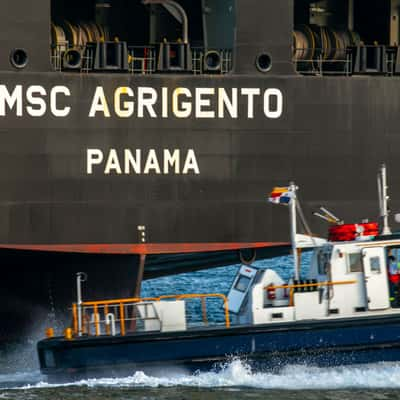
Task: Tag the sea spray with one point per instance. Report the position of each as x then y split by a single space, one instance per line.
237 374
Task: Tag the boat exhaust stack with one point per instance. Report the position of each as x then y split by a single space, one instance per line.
383 200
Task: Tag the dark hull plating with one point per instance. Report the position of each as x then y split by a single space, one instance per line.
332 135
330 139
38 286
322 343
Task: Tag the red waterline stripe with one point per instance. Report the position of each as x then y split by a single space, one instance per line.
148 248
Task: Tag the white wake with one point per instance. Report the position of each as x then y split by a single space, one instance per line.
238 374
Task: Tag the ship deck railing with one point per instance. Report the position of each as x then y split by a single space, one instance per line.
306 286
63 54
320 63
141 60
133 315
56 54
199 62
354 60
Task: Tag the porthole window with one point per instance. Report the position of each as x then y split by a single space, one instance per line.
19 58
263 62
212 61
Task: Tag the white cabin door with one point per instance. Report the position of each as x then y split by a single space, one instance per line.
241 285
376 278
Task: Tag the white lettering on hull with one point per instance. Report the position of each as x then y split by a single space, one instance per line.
145 102
34 101
139 162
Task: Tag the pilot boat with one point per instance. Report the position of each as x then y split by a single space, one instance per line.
345 311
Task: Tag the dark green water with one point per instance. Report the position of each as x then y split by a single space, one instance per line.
196 394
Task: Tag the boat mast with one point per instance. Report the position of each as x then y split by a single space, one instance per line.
293 228
383 200
80 278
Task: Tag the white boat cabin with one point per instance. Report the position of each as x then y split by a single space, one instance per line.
345 279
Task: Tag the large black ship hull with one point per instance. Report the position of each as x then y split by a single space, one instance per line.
38 286
330 138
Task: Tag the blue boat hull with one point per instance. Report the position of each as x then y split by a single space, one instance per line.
265 347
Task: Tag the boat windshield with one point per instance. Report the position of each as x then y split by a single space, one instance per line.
355 262
324 259
242 283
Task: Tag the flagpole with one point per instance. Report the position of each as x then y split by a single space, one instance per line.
293 229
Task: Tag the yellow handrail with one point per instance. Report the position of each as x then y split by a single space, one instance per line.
96 320
307 285
202 296
122 318
117 301
122 302
304 285
75 317
107 325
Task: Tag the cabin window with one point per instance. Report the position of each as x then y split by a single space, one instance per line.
375 265
242 283
346 37
323 263
144 36
355 262
393 259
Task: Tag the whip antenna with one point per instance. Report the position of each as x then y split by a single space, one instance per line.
383 200
328 216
